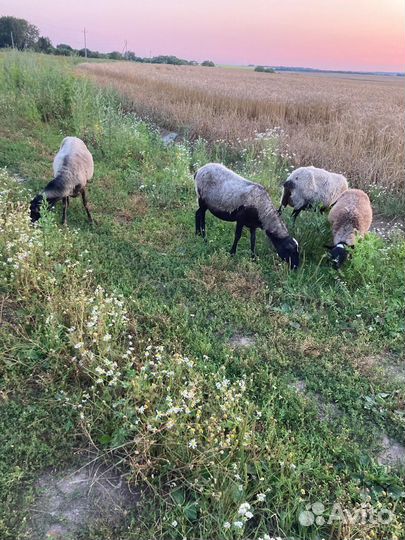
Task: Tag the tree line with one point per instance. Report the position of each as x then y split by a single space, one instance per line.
20 34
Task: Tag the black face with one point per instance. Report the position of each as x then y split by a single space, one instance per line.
35 207
288 251
338 255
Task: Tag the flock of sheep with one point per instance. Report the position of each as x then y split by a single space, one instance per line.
231 197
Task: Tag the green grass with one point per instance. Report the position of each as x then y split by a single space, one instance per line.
119 335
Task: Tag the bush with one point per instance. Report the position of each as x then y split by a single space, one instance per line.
262 69
208 63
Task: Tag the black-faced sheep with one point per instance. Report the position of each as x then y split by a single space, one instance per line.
308 186
350 216
232 198
73 168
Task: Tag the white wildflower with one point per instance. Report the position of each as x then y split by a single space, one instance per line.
243 508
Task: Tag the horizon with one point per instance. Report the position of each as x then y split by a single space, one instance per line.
337 36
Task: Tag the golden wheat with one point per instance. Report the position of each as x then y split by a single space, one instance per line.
349 124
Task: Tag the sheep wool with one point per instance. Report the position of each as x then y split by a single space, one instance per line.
310 186
231 197
73 167
352 214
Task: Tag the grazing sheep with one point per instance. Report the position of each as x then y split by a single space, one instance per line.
73 168
232 198
309 186
350 216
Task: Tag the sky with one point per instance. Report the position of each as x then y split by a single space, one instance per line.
365 35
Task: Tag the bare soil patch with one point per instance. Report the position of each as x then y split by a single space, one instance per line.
389 366
76 500
239 341
326 411
392 452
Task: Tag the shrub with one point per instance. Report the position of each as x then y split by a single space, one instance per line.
262 69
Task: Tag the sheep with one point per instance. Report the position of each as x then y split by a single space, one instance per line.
73 168
230 197
309 186
350 216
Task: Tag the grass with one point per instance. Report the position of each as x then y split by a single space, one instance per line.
351 125
119 337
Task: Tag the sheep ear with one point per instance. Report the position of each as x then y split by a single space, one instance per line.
328 247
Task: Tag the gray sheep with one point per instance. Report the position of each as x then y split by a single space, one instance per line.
308 186
230 197
73 168
350 216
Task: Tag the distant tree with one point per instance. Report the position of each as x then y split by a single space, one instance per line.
115 55
208 63
64 50
44 45
64 46
24 34
132 57
169 59
262 69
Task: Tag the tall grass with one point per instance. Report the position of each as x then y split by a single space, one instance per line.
350 125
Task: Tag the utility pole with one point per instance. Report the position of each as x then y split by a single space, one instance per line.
12 39
85 43
125 49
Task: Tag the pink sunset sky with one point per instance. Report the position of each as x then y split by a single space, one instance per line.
332 34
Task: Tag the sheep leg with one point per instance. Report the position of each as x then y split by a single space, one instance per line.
84 199
203 234
200 219
65 202
253 241
238 234
296 213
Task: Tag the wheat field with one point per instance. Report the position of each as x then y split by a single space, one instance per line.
349 124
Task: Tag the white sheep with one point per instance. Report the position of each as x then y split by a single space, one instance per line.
73 167
232 198
351 216
309 186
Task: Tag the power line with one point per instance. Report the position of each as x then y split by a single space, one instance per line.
85 43
125 48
